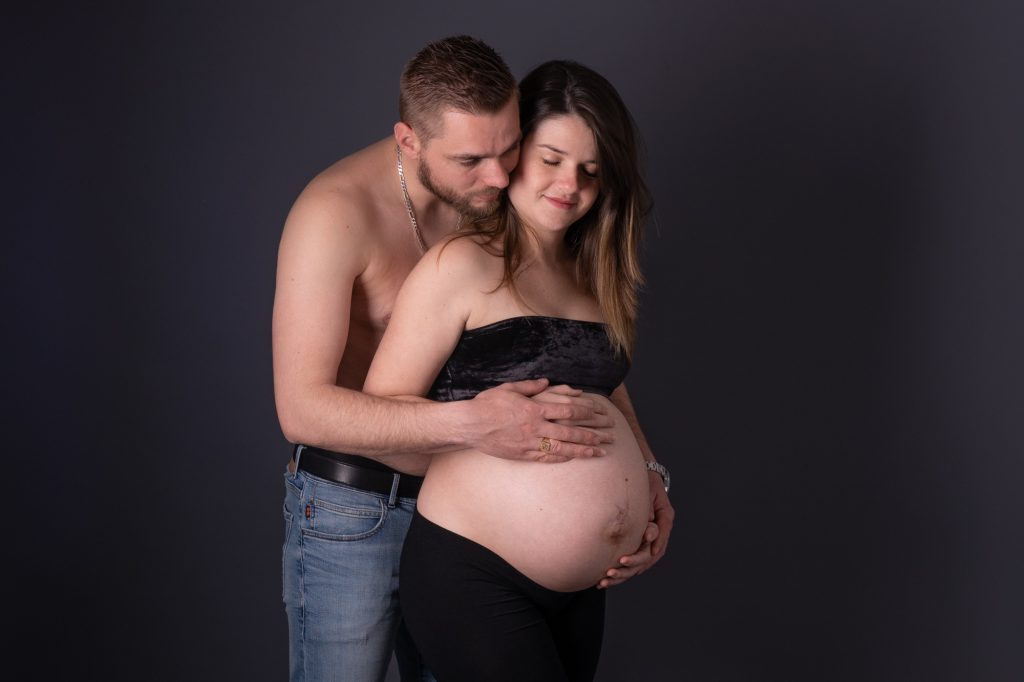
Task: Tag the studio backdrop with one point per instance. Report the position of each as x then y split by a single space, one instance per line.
829 353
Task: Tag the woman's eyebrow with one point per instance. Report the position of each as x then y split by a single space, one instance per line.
553 148
559 151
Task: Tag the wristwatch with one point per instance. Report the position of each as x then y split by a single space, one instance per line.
662 471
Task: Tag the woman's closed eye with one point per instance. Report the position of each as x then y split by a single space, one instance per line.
554 162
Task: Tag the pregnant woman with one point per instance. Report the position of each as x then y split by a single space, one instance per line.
499 567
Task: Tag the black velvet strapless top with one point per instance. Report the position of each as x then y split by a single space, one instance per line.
573 352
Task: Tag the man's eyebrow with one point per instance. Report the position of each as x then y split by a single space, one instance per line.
513 145
559 151
477 157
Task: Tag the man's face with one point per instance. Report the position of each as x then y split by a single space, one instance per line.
468 162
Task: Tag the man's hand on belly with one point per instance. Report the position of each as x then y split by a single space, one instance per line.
527 420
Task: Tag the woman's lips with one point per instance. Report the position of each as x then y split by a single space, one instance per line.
558 203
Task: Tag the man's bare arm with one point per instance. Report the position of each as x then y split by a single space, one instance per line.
322 253
428 319
655 539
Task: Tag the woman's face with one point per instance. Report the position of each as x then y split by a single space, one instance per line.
555 183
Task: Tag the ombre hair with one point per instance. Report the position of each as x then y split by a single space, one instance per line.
604 242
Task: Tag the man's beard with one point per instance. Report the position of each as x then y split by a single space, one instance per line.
462 204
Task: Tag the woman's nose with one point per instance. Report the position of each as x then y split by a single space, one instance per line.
569 181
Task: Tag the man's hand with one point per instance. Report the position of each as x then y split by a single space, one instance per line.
513 420
654 542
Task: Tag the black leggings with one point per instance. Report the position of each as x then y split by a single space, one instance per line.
474 617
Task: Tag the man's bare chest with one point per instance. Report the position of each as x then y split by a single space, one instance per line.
374 294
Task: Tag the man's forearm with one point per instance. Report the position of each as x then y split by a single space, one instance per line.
507 421
345 420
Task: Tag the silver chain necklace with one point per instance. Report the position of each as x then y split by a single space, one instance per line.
408 203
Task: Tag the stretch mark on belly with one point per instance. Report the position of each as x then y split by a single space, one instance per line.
618 527
617 530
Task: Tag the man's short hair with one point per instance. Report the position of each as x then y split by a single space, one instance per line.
460 73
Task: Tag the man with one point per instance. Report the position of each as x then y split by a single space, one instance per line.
350 240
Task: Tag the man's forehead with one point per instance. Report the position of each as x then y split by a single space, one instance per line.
463 132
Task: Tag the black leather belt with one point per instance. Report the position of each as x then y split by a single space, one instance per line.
358 472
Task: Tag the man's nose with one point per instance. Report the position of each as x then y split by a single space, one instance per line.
495 174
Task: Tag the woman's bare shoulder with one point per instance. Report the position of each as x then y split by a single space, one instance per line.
465 255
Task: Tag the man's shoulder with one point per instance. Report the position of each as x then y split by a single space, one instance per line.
357 183
345 198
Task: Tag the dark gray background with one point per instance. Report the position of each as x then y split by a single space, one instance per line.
829 357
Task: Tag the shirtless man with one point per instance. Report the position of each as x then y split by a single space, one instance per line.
350 240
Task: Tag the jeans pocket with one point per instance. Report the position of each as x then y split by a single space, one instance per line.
340 522
293 482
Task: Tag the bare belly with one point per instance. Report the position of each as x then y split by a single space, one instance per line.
562 525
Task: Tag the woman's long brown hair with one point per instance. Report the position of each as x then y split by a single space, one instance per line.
605 242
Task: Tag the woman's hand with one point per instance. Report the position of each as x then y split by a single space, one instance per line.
654 542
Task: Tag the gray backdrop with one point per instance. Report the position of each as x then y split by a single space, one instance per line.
829 356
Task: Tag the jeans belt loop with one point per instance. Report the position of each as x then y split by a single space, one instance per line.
298 455
393 499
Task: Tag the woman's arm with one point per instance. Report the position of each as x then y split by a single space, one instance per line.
662 513
428 318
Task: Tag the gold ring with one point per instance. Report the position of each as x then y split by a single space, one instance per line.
545 444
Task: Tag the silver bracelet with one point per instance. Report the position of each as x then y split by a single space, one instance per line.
661 470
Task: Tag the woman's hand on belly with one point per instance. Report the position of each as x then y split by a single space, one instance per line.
632 565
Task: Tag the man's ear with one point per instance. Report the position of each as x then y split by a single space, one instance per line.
408 140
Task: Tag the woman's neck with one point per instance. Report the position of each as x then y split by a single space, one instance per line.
545 248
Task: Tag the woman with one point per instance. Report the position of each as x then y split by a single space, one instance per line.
499 565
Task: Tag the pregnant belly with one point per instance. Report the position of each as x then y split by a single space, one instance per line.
562 525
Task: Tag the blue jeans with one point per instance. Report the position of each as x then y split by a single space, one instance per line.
340 565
